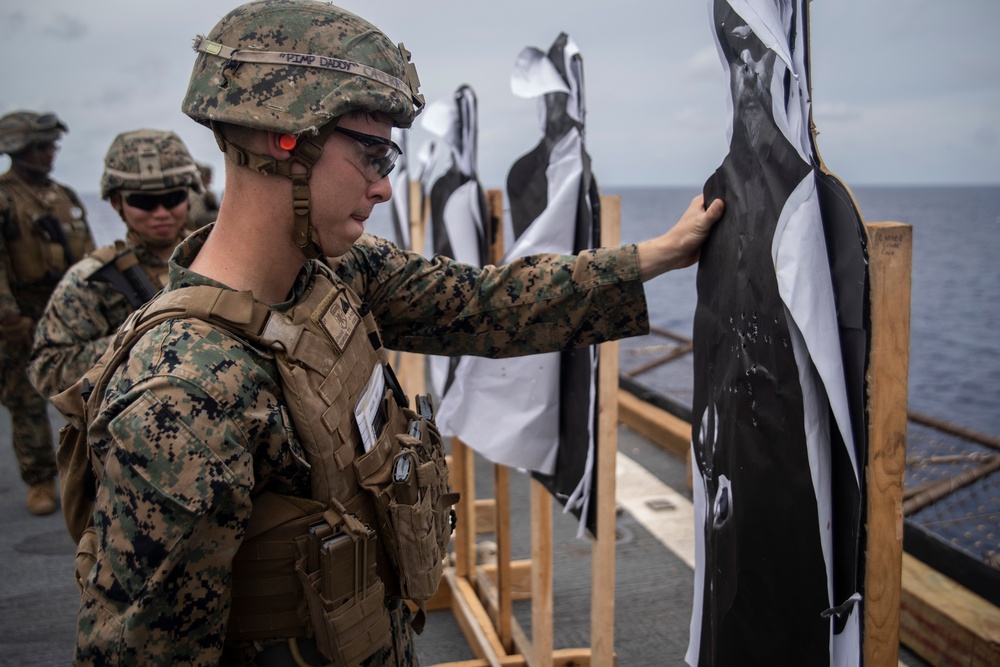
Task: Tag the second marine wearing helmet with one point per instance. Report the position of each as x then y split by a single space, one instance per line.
43 230
148 178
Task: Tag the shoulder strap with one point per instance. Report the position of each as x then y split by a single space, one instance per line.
120 268
107 253
78 470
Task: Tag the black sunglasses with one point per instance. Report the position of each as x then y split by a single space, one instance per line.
377 166
148 202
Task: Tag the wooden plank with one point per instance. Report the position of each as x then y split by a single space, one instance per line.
494 232
541 575
418 217
945 623
464 475
522 643
501 474
486 589
474 620
411 368
568 657
602 576
890 258
520 577
670 433
486 515
505 606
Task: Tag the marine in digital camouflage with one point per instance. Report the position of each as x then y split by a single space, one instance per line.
43 229
83 312
194 426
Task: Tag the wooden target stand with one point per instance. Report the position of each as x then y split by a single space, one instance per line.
481 597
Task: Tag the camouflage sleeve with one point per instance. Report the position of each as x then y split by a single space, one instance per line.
8 305
541 303
74 330
186 421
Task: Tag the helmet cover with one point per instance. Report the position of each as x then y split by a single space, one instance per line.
148 160
292 66
21 129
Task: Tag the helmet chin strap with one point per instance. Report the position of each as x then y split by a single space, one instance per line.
306 152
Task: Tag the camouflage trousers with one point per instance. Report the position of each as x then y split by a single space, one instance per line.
31 433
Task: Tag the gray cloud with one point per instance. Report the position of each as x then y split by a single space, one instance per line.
12 22
898 96
63 26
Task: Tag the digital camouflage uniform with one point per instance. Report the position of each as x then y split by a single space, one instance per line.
194 427
84 311
81 319
32 259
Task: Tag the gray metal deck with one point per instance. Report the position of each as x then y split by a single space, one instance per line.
38 598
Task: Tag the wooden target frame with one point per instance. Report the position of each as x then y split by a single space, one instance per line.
481 597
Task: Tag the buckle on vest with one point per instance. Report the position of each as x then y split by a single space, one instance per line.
280 334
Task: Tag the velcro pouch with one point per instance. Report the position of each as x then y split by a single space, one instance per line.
417 509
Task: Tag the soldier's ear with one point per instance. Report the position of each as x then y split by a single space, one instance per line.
116 201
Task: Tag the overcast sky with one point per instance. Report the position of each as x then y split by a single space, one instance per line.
904 92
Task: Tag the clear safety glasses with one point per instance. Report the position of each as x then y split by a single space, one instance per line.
379 155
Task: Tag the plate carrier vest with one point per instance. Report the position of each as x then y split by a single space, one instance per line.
36 257
326 566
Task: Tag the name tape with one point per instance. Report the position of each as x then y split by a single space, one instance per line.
205 45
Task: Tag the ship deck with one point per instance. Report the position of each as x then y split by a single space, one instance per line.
653 573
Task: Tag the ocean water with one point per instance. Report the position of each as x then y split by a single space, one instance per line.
954 369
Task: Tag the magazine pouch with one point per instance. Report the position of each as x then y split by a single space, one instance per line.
343 590
408 476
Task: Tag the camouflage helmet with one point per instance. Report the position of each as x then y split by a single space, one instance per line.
21 129
148 160
292 66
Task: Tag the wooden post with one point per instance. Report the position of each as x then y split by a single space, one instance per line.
501 474
498 639
418 217
890 263
602 587
412 367
464 468
505 597
541 575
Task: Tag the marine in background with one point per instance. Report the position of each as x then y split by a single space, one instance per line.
148 178
43 231
204 206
